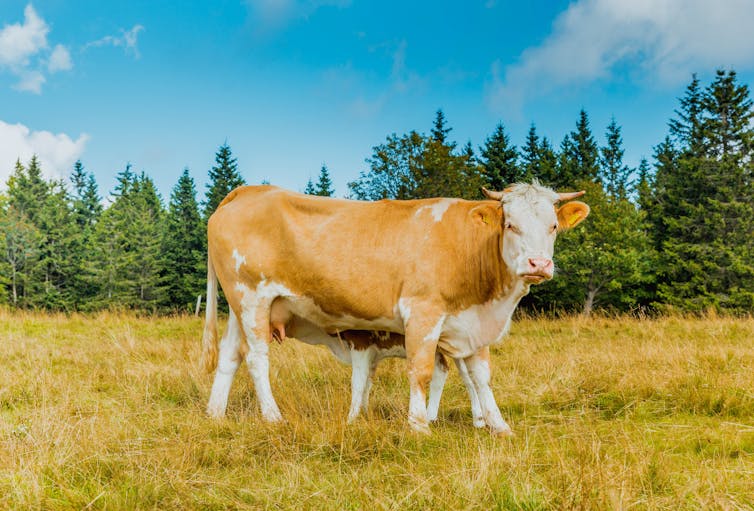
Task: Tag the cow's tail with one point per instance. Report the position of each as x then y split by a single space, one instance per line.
209 339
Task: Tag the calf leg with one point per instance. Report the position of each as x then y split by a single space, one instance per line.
439 375
361 367
476 408
227 365
479 368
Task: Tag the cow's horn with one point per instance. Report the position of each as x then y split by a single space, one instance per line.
570 195
491 194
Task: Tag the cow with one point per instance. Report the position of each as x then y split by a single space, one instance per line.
447 274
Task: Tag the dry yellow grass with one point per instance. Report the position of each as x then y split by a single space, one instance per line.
106 412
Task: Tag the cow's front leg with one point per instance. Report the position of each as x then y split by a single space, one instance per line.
476 409
439 375
479 369
422 334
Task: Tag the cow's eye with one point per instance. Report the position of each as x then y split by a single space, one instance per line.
554 227
510 227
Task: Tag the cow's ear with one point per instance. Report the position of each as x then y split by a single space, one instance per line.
487 215
571 214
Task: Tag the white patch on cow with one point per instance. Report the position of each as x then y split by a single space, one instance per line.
530 211
417 411
404 309
436 330
437 209
239 259
471 329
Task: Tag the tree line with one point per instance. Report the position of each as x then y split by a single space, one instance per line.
675 233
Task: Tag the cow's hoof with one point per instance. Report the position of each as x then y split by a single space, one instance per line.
479 422
502 432
419 427
215 412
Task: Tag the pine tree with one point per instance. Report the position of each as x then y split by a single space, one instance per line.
324 184
223 178
614 174
579 155
310 190
440 130
548 164
530 155
499 160
686 128
87 204
706 205
183 247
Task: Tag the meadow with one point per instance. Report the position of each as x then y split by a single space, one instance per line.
107 412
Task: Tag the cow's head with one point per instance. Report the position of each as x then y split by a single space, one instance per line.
530 222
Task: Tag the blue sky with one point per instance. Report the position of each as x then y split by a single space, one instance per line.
294 84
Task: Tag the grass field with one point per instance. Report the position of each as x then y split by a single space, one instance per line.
106 412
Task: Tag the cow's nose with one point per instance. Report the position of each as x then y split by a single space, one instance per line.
540 265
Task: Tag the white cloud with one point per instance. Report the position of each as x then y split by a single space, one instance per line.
60 60
18 42
128 40
30 81
271 15
56 152
23 48
662 40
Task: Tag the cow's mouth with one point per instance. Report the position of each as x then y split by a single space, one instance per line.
535 278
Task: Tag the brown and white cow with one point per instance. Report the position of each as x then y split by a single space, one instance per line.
445 273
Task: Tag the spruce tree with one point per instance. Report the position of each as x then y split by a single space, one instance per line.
614 173
324 186
530 155
440 130
579 155
183 247
310 190
223 178
706 206
499 160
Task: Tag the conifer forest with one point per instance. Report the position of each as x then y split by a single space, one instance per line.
674 234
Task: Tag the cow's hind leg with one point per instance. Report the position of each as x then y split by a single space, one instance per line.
368 387
256 326
361 369
227 365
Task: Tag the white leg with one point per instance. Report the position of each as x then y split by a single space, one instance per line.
368 387
256 325
439 375
479 368
361 363
227 365
476 408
